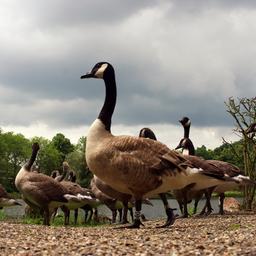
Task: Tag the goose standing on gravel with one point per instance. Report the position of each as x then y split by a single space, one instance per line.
42 191
5 199
138 166
228 169
185 195
74 188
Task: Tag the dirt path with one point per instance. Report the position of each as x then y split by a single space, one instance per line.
215 235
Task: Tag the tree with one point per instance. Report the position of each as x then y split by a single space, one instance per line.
243 110
15 151
62 144
77 161
204 152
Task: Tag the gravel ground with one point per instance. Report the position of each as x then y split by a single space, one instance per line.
214 235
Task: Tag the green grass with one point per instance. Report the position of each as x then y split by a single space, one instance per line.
231 194
234 226
58 221
2 215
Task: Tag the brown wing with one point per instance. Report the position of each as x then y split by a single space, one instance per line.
44 188
227 168
143 160
72 187
208 167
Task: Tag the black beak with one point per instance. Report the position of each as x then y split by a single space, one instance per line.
178 147
88 75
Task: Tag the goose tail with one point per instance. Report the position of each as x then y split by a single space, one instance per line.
84 199
244 180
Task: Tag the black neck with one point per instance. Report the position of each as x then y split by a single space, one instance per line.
32 159
186 131
110 101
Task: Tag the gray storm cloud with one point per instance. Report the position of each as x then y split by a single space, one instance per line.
172 58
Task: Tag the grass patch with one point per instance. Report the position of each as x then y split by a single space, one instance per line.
231 194
2 215
59 221
234 226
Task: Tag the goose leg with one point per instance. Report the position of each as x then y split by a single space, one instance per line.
221 198
180 205
195 205
131 213
120 211
114 213
208 196
85 215
124 218
75 216
137 222
90 215
169 212
46 217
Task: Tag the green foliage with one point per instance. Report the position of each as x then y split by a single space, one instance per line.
14 153
62 144
2 215
204 152
77 161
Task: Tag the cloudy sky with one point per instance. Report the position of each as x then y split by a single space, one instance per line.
172 59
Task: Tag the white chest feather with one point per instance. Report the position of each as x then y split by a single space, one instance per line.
96 142
19 177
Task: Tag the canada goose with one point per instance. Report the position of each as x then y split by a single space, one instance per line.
39 190
228 169
138 166
182 196
89 208
5 199
74 188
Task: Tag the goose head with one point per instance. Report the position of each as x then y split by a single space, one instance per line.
185 121
147 133
101 70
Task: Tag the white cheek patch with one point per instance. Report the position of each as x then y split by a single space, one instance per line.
188 123
99 73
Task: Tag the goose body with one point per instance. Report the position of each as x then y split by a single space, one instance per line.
151 166
137 166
